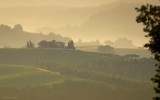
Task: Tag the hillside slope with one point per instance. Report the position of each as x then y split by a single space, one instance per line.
68 75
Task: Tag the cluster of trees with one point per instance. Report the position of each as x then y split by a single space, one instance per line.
51 44
106 49
30 44
71 45
6 28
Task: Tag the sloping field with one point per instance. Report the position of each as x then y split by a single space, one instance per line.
18 75
47 74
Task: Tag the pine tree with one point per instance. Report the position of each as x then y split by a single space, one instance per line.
31 45
28 44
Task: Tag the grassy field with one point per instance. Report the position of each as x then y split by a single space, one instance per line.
47 74
120 51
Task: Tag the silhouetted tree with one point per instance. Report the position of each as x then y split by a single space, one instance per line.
71 44
18 28
51 44
106 49
42 44
5 28
149 15
28 45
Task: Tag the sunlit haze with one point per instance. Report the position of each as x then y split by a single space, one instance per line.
79 49
88 20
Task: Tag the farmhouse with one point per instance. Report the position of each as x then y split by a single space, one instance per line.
51 44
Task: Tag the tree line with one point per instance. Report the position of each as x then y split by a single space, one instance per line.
51 44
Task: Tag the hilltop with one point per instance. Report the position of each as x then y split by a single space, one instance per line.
16 37
104 22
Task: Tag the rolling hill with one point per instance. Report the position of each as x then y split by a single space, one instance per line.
31 74
104 22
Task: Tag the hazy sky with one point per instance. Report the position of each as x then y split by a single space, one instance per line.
54 2
35 14
5 3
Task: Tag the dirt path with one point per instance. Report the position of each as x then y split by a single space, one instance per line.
48 71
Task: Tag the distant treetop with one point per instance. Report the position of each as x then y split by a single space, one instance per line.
18 27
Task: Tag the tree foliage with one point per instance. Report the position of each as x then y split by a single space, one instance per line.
51 44
71 44
18 28
106 49
149 15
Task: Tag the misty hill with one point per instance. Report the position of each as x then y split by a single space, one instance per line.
42 16
121 46
118 51
121 43
108 21
17 37
105 22
114 23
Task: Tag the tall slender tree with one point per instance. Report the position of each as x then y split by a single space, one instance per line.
28 44
149 15
31 44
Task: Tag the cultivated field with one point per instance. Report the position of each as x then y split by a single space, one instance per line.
58 74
